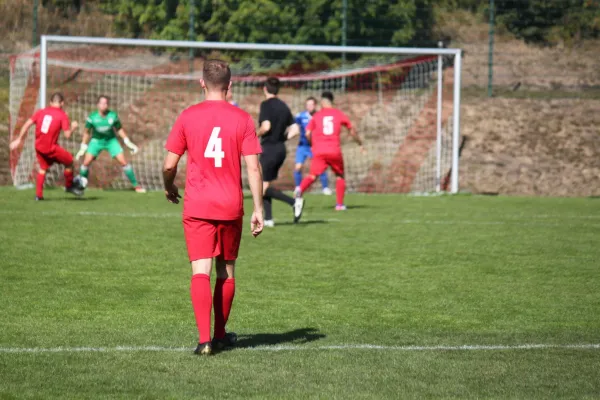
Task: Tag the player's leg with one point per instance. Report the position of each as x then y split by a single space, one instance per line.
230 235
325 184
95 147
268 207
337 165
301 156
202 245
318 165
116 152
271 161
44 163
223 300
65 158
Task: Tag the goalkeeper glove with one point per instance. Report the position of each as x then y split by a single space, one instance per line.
134 149
82 149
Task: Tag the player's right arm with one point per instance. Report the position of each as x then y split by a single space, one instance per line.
24 129
352 131
310 127
68 127
263 120
85 138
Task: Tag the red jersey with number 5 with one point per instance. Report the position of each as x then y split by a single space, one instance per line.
49 122
325 127
215 135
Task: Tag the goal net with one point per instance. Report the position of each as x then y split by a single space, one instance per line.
404 103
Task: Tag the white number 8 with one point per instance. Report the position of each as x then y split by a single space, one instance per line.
214 148
328 125
46 124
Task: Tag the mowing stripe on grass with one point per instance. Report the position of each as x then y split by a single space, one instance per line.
116 349
404 221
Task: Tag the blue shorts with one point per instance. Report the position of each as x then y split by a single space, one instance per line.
302 153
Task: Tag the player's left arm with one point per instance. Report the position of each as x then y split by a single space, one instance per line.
123 135
293 131
176 146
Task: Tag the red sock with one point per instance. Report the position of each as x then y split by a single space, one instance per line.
68 177
223 299
202 303
39 187
306 182
340 190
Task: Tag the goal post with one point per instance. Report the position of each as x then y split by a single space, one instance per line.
406 102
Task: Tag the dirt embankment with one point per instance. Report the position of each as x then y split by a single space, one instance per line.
531 147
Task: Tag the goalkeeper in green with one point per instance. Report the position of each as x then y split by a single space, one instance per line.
103 125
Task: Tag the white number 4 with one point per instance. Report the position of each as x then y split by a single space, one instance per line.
46 124
214 148
328 125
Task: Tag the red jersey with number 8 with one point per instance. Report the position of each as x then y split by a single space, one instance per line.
215 135
49 122
325 127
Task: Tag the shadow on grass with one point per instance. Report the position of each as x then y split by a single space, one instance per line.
297 336
86 198
352 207
302 222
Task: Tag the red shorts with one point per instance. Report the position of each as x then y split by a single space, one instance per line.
320 163
56 155
207 238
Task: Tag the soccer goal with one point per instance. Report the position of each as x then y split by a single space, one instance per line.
405 102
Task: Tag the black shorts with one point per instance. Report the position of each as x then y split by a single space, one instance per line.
271 160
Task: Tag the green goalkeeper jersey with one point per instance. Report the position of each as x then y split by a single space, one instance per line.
103 126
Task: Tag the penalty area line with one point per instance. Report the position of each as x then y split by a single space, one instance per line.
118 349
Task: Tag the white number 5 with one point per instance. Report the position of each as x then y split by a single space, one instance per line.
328 125
46 124
214 148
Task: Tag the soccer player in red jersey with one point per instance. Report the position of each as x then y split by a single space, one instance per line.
216 135
324 133
48 123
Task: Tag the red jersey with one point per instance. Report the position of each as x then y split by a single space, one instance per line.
49 122
325 127
215 135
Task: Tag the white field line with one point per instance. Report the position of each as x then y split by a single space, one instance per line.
117 349
520 222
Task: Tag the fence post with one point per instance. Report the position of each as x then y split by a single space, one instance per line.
491 51
35 24
344 33
191 34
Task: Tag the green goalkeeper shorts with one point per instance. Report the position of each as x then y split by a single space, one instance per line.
112 145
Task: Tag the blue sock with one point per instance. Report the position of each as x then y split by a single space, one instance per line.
324 180
297 177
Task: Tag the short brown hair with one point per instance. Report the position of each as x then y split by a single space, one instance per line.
103 96
57 97
272 84
216 74
327 95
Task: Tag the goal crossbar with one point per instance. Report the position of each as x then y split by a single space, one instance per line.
440 52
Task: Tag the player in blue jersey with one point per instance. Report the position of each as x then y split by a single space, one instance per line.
303 151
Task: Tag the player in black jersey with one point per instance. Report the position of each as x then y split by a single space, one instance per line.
277 125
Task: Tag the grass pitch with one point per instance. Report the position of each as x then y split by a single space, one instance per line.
95 300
